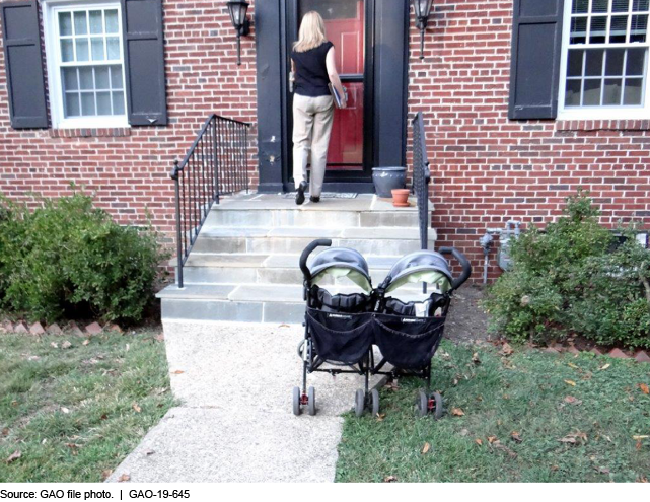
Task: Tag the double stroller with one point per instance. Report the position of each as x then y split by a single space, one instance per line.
341 329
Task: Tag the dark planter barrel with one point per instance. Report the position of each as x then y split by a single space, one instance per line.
386 179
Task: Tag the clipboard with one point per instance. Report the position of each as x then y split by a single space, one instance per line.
337 96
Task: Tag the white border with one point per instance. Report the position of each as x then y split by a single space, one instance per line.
600 112
50 8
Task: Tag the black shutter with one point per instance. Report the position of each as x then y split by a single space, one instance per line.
144 62
536 54
21 36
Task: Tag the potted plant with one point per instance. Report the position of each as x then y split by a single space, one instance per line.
389 178
400 197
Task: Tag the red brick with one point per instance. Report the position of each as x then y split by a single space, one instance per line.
642 356
618 354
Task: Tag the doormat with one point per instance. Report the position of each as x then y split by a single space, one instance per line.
326 195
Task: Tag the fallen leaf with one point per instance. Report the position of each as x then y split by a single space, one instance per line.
457 412
574 438
497 444
555 468
426 448
639 444
476 359
506 397
159 338
492 439
602 470
65 410
85 342
137 408
392 385
103 417
54 345
14 456
380 417
5 431
604 367
514 435
106 474
390 479
479 441
572 400
284 326
66 345
570 382
640 437
178 372
124 478
642 480
574 366
506 350
644 387
149 452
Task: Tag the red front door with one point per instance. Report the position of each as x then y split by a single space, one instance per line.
345 26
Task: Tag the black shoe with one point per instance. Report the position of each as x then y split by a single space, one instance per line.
314 199
300 194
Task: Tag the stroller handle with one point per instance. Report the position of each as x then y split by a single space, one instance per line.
467 268
307 251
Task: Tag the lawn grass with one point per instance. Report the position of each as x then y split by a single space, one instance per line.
73 413
524 393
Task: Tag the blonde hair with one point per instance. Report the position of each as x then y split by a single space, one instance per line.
311 33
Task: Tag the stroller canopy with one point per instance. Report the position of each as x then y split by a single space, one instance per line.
341 262
422 266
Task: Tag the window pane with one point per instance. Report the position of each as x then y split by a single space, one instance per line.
72 105
102 77
620 5
87 104
592 92
573 92
113 48
594 63
575 63
80 23
618 30
599 6
70 79
635 62
95 18
86 78
633 91
580 6
639 28
640 5
613 91
579 30
112 24
597 30
614 60
97 46
118 103
116 77
65 24
82 49
103 103
67 53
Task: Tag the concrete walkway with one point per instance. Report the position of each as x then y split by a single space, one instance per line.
235 423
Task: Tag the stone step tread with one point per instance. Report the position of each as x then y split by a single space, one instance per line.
392 233
279 261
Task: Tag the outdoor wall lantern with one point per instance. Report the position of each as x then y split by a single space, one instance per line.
237 10
422 11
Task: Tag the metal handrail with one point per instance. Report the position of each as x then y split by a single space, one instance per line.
216 164
421 178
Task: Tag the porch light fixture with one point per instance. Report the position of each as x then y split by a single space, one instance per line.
422 11
237 10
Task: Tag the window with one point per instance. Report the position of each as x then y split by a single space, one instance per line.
85 64
605 60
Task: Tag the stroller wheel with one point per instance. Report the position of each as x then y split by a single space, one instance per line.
359 402
300 345
296 401
311 401
374 399
422 404
437 403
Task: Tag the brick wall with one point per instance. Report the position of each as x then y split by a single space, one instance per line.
128 169
487 169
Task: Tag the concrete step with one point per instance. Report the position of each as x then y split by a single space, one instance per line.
273 211
272 303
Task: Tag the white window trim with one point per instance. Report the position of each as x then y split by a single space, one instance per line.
599 112
52 52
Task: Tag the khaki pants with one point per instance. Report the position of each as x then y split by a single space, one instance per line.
312 127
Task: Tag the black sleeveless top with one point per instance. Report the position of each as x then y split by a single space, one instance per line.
311 77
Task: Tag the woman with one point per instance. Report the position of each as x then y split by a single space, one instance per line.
313 63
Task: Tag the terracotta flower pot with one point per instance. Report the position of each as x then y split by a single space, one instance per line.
400 197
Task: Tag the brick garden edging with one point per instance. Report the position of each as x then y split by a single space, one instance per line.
37 329
641 356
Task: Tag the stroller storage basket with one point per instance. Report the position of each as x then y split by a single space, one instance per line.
341 337
408 342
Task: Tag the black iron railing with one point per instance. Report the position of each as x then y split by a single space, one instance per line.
215 165
421 178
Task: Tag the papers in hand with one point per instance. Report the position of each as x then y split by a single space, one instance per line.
337 97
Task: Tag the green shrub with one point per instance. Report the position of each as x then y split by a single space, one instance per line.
70 259
567 280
